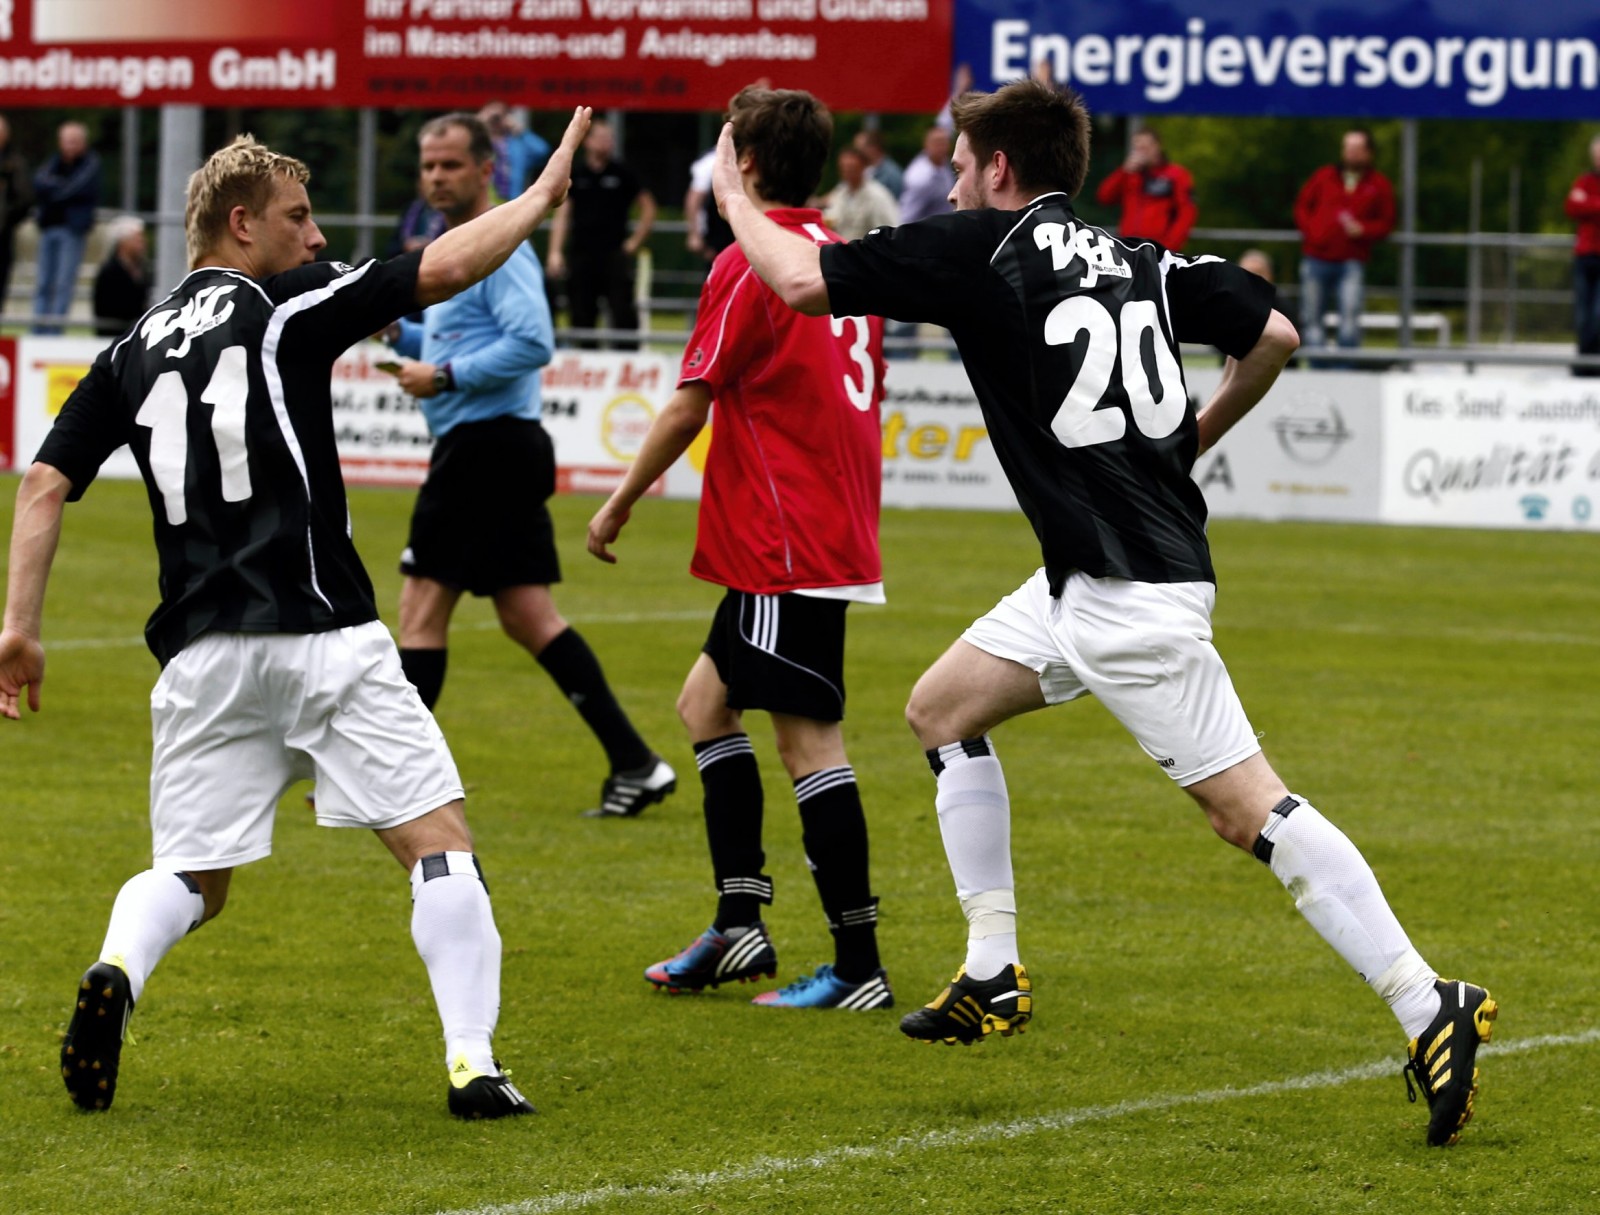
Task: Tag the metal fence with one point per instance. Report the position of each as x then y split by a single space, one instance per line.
1512 304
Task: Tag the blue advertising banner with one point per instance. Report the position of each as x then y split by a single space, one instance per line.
1344 58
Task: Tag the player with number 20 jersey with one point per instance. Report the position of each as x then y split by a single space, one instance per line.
1070 337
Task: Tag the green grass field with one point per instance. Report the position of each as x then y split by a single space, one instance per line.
1196 1047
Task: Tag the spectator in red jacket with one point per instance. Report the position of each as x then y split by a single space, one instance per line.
1583 205
1342 211
1156 196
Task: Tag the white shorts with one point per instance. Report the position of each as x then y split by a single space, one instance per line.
1143 648
239 717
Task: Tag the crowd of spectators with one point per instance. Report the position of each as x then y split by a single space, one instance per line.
1343 211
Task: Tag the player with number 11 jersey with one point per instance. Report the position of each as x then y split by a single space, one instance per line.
251 524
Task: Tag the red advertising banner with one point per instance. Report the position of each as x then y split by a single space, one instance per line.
888 55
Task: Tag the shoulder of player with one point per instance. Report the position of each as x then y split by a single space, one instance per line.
729 271
323 281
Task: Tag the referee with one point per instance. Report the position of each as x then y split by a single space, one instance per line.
1070 337
481 524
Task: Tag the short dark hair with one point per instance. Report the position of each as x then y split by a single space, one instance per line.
480 145
1150 131
1044 132
789 132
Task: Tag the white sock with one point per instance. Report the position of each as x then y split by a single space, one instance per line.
1334 888
452 924
153 912
975 823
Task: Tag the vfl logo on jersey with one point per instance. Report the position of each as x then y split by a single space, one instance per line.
208 308
1068 242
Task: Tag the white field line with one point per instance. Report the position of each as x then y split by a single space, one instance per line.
680 1184
1488 636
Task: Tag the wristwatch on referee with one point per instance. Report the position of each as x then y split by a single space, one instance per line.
444 379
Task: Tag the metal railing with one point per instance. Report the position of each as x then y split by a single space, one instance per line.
674 292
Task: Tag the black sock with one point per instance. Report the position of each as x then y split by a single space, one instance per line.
733 806
572 664
425 670
834 830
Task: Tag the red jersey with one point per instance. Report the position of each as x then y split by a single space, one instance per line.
1583 205
792 482
1324 198
1157 203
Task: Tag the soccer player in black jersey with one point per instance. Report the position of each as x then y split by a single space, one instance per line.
275 666
1070 337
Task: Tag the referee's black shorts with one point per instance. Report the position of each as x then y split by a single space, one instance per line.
480 523
781 653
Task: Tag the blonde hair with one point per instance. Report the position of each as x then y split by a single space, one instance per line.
244 174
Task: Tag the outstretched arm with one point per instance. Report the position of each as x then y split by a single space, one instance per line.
467 254
669 437
787 262
1245 381
35 531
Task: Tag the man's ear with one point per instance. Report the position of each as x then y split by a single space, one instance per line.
999 171
240 223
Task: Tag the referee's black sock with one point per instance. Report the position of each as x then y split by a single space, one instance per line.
572 664
834 830
425 670
733 806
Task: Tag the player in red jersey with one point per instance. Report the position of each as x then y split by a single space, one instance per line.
789 525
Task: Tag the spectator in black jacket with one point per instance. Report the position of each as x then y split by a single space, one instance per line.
16 200
122 285
67 189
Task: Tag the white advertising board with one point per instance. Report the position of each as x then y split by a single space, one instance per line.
1447 450
1468 451
1310 449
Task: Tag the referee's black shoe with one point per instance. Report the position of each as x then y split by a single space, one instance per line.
482 1096
1443 1058
92 1049
626 794
970 1009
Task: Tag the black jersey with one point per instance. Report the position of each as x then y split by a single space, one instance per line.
1070 337
222 391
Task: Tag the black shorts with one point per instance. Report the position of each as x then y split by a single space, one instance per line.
781 653
480 522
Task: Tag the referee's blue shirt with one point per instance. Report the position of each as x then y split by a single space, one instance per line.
495 335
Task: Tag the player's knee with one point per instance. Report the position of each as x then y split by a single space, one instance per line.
797 758
703 716
532 623
212 887
1232 830
1230 821
924 719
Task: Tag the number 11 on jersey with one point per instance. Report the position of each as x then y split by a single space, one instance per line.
165 412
